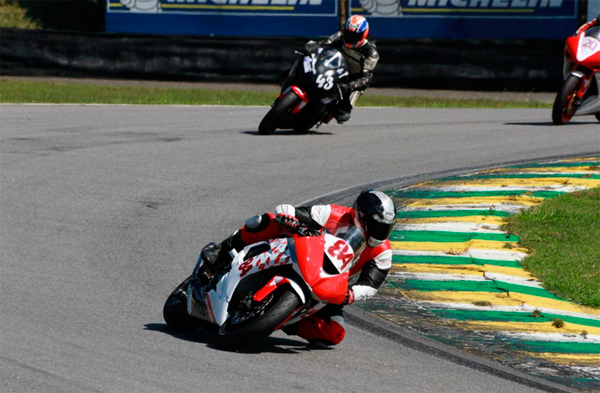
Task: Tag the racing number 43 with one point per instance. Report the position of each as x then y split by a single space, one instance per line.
325 82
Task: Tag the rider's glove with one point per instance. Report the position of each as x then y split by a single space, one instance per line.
287 222
349 299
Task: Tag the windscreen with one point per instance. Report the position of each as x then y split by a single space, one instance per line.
331 59
593 32
353 236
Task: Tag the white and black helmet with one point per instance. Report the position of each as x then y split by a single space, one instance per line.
376 214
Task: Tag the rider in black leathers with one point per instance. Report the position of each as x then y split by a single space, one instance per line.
361 56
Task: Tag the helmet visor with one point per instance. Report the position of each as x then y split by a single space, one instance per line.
378 230
352 37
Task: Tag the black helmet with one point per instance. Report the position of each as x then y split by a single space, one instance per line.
376 214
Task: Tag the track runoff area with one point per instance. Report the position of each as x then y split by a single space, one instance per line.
456 276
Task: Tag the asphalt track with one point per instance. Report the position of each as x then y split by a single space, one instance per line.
104 208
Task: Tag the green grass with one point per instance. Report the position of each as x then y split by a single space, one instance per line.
19 91
563 237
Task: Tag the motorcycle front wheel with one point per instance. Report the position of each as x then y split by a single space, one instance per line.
565 104
280 109
175 311
248 325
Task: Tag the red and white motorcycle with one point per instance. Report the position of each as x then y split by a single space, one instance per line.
580 92
269 285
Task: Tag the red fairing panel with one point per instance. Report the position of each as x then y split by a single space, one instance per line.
310 251
584 50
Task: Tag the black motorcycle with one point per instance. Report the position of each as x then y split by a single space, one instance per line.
309 92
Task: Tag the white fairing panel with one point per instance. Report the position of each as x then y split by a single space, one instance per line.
588 46
279 254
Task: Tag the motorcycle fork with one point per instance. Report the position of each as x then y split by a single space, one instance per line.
586 81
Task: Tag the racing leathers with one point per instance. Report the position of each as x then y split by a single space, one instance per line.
370 270
592 23
361 63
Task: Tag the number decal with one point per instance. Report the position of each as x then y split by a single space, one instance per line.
325 83
341 251
245 267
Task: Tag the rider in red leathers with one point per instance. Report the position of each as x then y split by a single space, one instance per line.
589 24
373 212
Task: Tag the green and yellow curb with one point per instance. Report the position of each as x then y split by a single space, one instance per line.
455 270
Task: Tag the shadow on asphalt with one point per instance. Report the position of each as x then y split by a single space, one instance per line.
266 345
289 133
549 123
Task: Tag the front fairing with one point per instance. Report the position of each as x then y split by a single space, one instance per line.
583 49
322 71
277 253
325 262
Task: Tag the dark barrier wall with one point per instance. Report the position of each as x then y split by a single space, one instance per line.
463 65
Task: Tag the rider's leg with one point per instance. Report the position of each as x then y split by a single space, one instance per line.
342 110
257 228
325 327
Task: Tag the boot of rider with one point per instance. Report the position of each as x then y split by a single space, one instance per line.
257 228
217 256
341 112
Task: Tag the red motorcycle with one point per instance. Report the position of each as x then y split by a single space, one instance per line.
580 92
269 285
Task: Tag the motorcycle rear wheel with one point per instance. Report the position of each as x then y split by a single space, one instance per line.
280 109
565 103
275 310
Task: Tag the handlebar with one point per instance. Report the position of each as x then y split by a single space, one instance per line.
300 229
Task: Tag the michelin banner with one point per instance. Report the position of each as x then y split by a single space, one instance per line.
437 19
300 18
469 19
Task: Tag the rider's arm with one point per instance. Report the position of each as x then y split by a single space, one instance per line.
312 45
372 275
332 38
313 217
586 26
369 51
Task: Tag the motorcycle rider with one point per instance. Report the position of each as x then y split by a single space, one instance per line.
589 24
373 212
361 56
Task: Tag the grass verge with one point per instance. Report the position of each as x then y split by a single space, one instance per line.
12 91
563 236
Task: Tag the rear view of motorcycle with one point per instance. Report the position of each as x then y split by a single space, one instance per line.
310 91
580 92
268 286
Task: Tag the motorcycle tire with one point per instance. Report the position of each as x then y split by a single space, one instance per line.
598 116
564 105
175 310
233 336
275 116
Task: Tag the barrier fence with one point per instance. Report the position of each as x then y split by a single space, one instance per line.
516 65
